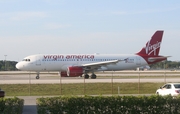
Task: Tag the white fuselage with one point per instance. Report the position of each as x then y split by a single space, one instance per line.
60 62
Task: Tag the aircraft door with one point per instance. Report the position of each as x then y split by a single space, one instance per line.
38 61
138 61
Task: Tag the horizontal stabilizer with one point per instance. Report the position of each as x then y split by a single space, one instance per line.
151 59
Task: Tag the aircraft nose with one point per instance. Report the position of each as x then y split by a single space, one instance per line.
19 66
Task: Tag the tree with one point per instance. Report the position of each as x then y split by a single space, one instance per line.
166 65
10 65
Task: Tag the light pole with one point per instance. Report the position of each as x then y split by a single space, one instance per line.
5 62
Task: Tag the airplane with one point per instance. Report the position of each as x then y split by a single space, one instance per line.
74 65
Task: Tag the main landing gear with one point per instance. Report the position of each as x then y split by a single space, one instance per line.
86 76
93 76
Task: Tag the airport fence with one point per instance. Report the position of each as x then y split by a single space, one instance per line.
107 83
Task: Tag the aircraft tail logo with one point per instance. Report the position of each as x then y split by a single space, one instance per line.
152 47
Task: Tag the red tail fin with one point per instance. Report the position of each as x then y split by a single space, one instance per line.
153 46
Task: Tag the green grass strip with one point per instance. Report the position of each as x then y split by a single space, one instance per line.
79 89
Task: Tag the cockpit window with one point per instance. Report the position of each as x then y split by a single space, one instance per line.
26 60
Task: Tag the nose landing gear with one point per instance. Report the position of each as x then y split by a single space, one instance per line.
37 77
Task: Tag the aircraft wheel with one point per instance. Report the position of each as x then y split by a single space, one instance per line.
86 76
37 77
93 76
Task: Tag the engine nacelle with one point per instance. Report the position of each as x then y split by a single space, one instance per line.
74 71
63 74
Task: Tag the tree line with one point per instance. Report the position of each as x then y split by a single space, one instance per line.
11 65
166 65
8 65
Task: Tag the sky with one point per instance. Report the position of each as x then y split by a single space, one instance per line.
30 27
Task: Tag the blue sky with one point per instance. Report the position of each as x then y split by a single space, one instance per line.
86 27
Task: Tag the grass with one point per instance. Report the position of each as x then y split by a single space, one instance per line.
79 89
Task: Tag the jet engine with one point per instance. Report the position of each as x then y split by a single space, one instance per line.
63 74
74 71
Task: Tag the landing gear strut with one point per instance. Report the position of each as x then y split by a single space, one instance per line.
37 77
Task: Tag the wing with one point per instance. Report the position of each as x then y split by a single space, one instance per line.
99 65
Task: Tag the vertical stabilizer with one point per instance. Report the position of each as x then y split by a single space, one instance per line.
152 47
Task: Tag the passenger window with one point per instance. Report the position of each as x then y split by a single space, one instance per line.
177 86
169 87
165 86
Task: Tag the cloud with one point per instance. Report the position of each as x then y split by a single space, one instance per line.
145 11
20 16
56 26
119 12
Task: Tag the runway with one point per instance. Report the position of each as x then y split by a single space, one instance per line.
102 77
86 81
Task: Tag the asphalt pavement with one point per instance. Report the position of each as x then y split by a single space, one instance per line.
30 106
